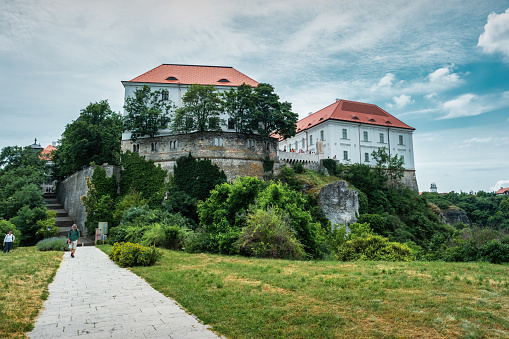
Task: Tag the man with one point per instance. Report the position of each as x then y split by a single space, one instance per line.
73 239
8 240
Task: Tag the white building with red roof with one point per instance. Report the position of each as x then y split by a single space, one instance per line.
175 79
350 131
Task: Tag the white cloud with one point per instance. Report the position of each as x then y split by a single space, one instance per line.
443 75
496 34
402 100
499 184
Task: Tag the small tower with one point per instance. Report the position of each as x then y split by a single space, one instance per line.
433 188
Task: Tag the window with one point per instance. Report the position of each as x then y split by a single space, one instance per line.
218 142
382 138
231 124
345 155
401 140
365 136
303 142
311 140
321 136
366 157
345 134
164 95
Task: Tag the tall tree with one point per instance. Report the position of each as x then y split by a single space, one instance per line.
240 105
147 112
272 116
94 137
201 110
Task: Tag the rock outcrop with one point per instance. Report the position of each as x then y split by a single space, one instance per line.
339 204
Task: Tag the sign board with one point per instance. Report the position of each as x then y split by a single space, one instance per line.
103 228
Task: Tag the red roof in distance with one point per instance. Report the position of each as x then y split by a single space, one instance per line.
194 74
46 153
503 190
352 111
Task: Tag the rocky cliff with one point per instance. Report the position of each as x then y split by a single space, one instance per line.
339 203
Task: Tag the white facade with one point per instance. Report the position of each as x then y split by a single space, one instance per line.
175 94
351 142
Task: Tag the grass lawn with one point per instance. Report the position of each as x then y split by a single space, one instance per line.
25 274
258 298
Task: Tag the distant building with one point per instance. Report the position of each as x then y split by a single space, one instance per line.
433 188
503 191
350 131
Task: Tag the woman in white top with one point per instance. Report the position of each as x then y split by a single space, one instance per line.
8 240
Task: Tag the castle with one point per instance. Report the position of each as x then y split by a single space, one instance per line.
345 130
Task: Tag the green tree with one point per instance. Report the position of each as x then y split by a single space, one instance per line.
240 105
147 112
389 168
202 107
271 115
94 137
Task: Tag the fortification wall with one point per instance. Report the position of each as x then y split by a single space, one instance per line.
237 154
71 189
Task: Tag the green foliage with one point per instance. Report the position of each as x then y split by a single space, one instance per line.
373 247
147 113
483 209
49 222
143 177
129 255
196 177
92 138
239 103
387 167
201 110
229 201
131 199
268 234
271 115
99 201
5 227
26 222
53 244
298 167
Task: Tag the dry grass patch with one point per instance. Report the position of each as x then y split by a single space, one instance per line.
25 274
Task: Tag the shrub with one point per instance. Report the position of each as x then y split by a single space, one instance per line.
129 254
373 247
53 244
268 234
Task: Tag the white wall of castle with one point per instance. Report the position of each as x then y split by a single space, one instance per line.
175 94
357 140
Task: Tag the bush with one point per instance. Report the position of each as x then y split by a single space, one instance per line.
129 254
373 247
268 234
53 244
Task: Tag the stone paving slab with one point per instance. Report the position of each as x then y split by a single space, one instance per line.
92 297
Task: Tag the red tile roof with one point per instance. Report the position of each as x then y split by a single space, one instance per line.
351 111
46 153
503 191
191 74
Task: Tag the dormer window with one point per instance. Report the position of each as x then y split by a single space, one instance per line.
171 78
223 80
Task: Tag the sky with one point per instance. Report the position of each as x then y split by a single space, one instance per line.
441 67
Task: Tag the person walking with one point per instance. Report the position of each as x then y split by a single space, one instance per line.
8 240
73 239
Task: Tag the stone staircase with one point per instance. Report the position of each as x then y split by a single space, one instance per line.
63 220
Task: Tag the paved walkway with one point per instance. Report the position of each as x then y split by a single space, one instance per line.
93 297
